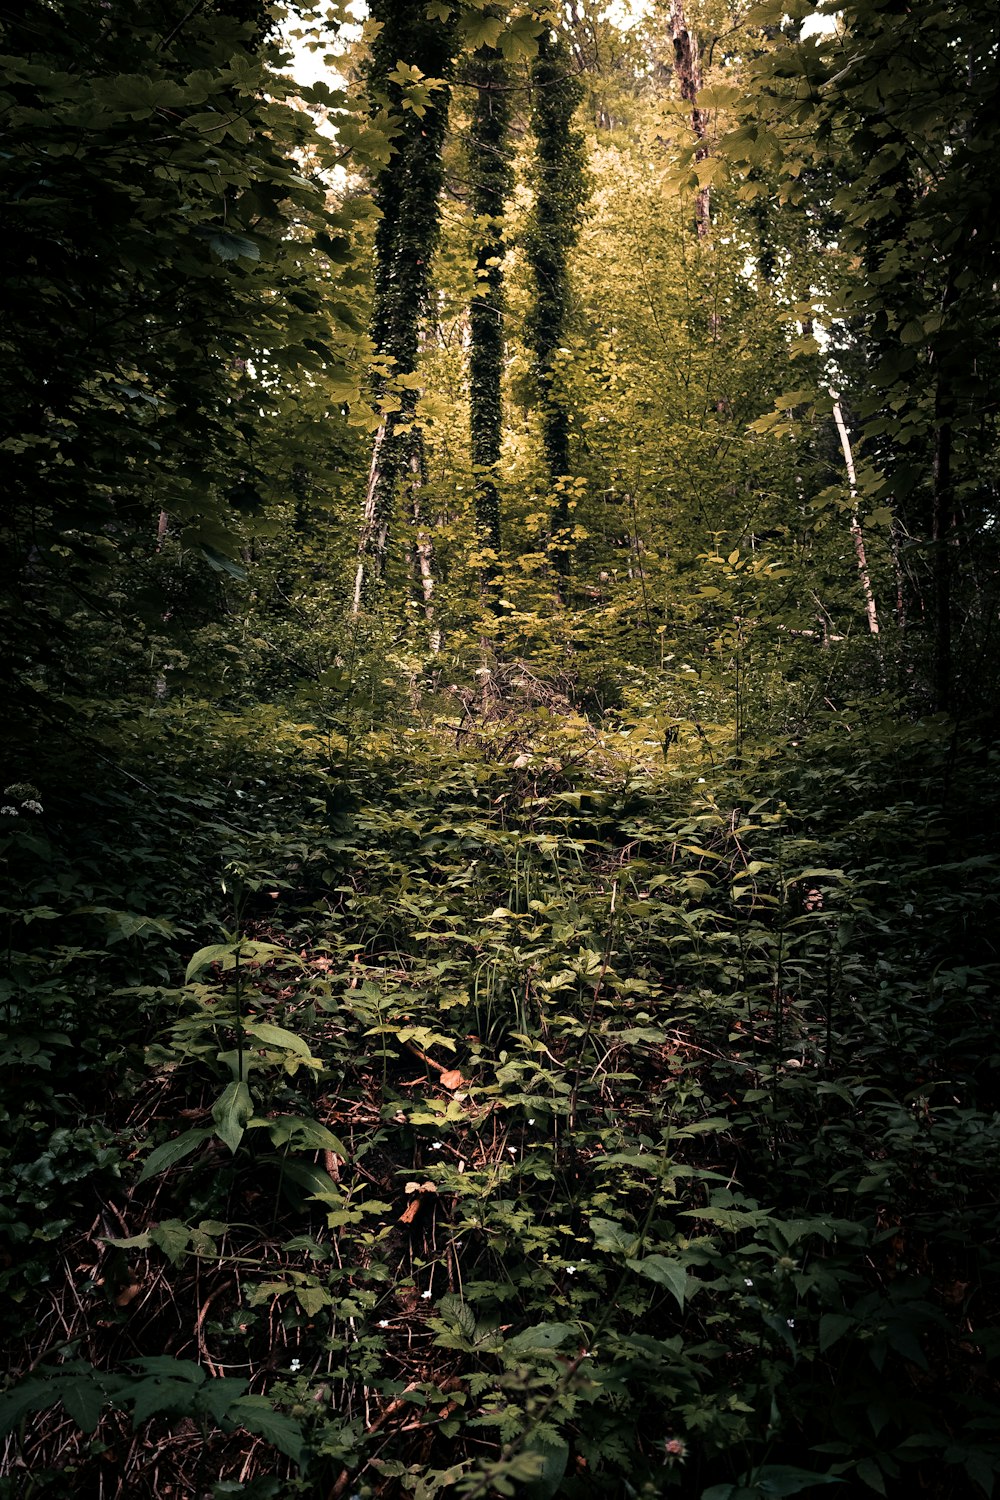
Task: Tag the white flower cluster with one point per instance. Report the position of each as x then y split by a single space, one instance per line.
23 798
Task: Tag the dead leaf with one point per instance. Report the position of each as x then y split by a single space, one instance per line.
452 1079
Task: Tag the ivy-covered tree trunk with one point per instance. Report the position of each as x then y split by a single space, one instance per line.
687 65
490 172
560 191
410 66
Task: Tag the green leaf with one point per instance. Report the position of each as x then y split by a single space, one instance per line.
229 954
668 1273
312 1299
542 1338
305 1135
170 1368
220 563
554 1453
231 1112
215 953
278 1037
84 1399
870 1474
520 40
233 246
833 1326
173 1238
153 1397
217 1395
131 1241
172 1152
257 1415
33 1395
610 1235
785 1479
481 31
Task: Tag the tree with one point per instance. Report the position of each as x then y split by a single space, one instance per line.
491 178
889 124
165 254
411 61
560 192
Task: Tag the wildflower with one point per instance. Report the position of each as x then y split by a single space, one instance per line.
675 1448
790 1322
532 1120
571 1270
747 1281
32 806
8 812
295 1366
426 1296
383 1322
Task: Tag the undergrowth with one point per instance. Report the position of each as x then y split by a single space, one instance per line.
511 1107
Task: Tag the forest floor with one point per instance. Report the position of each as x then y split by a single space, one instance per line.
505 1107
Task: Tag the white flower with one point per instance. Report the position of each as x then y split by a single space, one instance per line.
571 1270
426 1296
295 1366
32 806
790 1322
383 1322
436 1145
747 1281
8 812
512 1150
532 1120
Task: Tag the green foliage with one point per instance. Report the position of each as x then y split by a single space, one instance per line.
561 1063
160 1385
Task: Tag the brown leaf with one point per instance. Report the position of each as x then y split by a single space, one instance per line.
452 1079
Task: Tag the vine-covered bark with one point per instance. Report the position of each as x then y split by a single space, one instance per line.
490 173
411 63
560 191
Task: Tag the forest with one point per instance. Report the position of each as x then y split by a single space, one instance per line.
499 848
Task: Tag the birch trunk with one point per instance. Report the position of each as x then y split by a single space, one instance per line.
857 535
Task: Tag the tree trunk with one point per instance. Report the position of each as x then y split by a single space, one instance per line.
560 189
942 541
490 172
687 65
857 535
407 196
